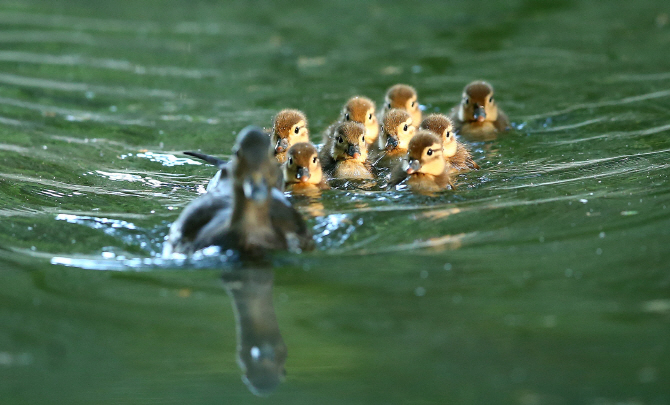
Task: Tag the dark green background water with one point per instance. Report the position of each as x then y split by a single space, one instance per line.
544 279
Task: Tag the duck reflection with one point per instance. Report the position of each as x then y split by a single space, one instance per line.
261 351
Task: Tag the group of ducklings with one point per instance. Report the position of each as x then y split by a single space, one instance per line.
244 208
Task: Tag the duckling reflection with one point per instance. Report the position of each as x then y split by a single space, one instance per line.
261 351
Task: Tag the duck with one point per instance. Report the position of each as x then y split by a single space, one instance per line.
288 128
302 169
396 132
456 154
344 154
424 170
362 110
477 116
405 97
244 211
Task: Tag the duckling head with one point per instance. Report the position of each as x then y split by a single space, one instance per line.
303 165
362 110
442 126
404 97
425 154
349 142
397 130
254 171
288 128
478 104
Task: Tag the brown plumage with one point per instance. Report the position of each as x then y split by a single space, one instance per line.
288 128
425 169
302 169
344 154
396 132
478 116
244 211
455 153
404 97
362 110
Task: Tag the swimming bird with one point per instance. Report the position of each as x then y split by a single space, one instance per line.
478 116
404 97
344 154
302 169
288 128
243 211
425 169
396 132
362 110
456 154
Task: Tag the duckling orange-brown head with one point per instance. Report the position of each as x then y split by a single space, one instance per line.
397 130
288 128
404 97
478 104
362 110
303 165
425 155
442 126
349 142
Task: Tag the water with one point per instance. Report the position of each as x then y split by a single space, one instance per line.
542 280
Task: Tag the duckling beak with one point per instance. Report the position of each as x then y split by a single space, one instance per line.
302 174
282 145
354 151
391 142
413 166
480 113
255 188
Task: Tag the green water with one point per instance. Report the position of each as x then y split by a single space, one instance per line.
544 279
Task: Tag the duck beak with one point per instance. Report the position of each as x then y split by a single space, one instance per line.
354 151
391 142
282 145
480 113
413 166
302 174
255 188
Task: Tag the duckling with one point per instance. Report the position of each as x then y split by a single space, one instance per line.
425 168
344 155
455 153
397 131
243 212
261 351
302 169
288 128
362 109
404 97
478 115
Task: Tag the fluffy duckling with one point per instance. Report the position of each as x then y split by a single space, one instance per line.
344 155
362 110
455 153
288 128
478 115
302 169
404 97
243 212
425 169
397 130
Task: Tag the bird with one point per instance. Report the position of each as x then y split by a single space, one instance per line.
396 131
288 128
424 169
456 154
302 170
344 154
362 110
244 211
404 97
478 117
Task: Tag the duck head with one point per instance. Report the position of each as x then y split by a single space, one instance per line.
254 171
424 154
442 126
397 130
478 104
349 142
302 165
288 128
362 110
404 97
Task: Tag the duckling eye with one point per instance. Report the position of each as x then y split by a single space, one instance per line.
388 105
404 128
413 103
362 138
430 152
491 99
290 161
466 101
448 134
370 116
314 159
346 116
296 130
339 139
